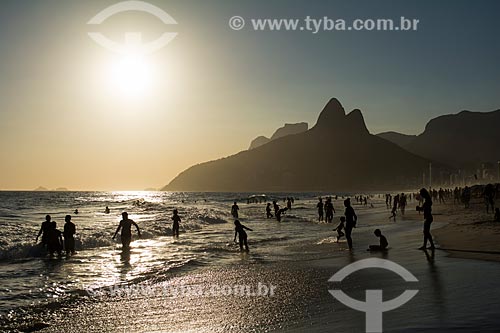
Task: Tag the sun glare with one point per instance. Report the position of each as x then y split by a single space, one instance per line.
131 76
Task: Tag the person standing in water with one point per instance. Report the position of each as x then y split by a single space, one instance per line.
320 209
268 211
329 210
54 239
239 229
289 203
126 226
175 227
339 228
69 233
106 211
276 207
46 225
427 209
234 210
351 220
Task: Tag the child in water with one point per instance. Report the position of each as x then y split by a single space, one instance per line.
240 230
339 228
176 218
383 242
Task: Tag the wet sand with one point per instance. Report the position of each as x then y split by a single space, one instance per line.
469 233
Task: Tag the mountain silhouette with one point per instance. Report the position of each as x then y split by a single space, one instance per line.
288 129
337 154
464 140
401 140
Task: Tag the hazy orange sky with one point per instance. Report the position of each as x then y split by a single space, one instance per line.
65 122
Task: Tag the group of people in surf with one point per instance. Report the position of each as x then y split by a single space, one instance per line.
325 210
52 238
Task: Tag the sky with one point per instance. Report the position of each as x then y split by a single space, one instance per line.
74 114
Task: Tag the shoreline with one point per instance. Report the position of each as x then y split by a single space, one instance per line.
468 233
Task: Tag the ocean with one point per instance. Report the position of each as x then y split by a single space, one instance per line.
298 255
30 277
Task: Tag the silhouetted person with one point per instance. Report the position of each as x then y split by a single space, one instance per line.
240 230
69 235
289 203
329 210
176 220
76 211
383 242
46 225
441 196
106 211
351 220
126 226
268 210
276 207
489 197
339 228
280 211
402 203
54 239
234 210
427 209
320 209
466 196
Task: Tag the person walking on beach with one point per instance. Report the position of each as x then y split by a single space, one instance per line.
69 235
234 210
466 196
427 209
339 228
268 211
176 220
54 239
383 242
46 225
489 198
126 226
239 229
320 209
402 203
351 220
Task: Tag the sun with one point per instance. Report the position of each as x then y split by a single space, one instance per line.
131 76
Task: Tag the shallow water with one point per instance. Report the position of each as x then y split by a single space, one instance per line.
28 276
298 255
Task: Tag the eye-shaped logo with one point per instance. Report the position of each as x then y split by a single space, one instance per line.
374 305
133 40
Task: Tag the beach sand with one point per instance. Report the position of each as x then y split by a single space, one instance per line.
469 233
